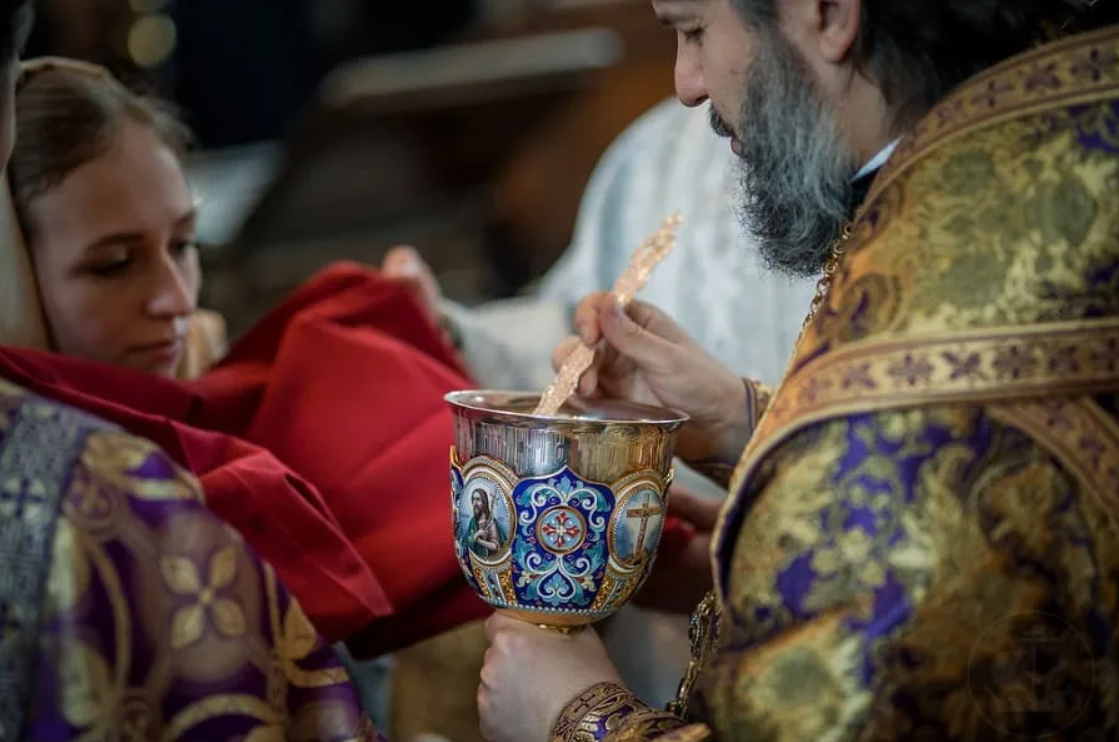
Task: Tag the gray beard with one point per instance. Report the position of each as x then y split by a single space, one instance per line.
796 170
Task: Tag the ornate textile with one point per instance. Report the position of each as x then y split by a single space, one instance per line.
922 543
131 612
609 709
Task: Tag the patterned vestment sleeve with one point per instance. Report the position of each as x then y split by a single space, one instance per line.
162 623
885 584
888 578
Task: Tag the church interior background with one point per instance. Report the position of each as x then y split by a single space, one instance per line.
338 128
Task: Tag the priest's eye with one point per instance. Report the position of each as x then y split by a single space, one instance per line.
692 35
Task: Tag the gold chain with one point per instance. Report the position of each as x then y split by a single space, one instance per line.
703 636
823 286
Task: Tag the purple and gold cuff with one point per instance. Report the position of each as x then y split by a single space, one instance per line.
608 712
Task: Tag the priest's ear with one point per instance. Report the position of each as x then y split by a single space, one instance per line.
824 29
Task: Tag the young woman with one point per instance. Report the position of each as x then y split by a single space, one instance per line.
342 383
109 217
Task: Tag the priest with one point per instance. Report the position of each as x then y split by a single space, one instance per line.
920 538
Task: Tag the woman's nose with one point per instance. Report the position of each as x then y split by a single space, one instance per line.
171 295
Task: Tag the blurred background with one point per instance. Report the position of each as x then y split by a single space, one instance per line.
338 128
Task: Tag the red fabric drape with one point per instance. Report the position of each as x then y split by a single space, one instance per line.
324 439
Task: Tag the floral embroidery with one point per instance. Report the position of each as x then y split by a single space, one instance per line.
911 370
113 665
184 578
1013 363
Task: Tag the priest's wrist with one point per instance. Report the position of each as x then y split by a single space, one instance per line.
726 443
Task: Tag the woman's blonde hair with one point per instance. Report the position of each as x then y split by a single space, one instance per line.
67 114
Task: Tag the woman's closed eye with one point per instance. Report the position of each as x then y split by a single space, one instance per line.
110 266
120 262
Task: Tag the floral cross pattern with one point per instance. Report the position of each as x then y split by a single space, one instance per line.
208 603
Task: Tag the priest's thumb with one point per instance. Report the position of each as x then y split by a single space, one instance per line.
629 337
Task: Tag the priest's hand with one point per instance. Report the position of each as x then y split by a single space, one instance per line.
681 578
531 674
643 356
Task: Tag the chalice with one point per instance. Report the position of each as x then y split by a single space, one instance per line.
559 502
557 517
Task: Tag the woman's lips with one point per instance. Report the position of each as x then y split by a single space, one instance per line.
162 353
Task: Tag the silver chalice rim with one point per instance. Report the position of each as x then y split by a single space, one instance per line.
497 403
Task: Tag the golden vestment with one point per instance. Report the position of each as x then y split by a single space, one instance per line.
921 539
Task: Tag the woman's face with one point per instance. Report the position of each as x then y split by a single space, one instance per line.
115 258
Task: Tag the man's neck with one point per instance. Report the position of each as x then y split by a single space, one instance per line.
861 182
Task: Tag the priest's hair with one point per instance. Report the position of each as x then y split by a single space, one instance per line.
916 51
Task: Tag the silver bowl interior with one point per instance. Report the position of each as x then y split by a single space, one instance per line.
512 407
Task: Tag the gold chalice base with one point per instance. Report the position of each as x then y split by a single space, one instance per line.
559 623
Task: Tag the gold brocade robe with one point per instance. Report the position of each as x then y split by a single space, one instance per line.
921 542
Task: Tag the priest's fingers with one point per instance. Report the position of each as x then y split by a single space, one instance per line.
530 673
657 322
588 382
497 623
592 311
588 314
637 342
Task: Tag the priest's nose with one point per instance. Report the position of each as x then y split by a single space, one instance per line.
691 88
